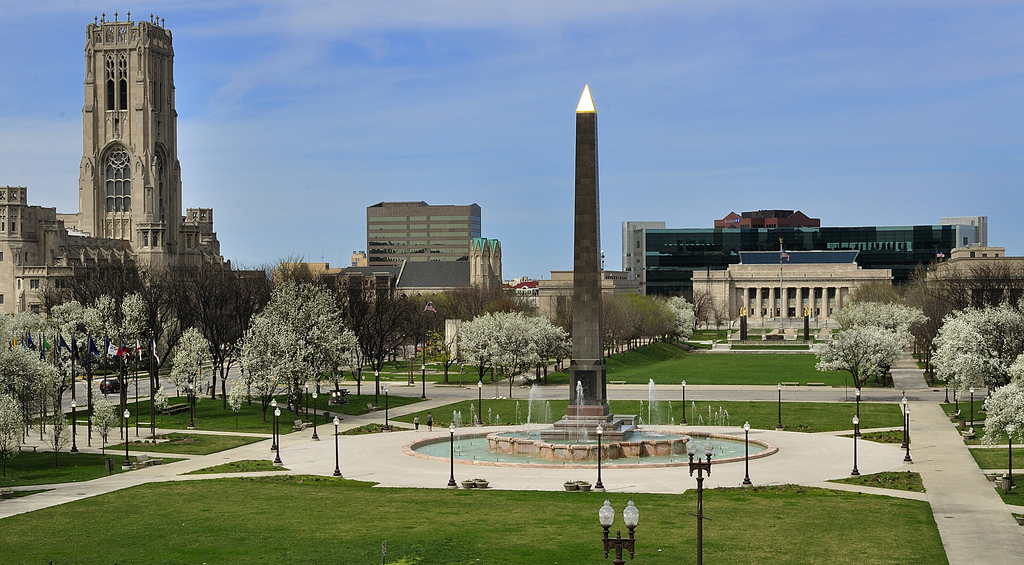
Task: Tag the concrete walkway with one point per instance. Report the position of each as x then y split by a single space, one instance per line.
974 523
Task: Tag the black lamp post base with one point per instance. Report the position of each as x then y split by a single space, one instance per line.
277 462
74 449
337 473
855 473
315 437
746 482
778 428
452 484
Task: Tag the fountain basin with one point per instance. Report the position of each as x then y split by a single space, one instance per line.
637 446
474 449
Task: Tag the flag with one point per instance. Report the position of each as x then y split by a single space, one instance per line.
112 349
939 255
90 350
61 343
152 350
74 348
429 308
785 256
31 344
121 350
138 348
46 344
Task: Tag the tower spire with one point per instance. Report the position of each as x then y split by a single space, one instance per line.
586 101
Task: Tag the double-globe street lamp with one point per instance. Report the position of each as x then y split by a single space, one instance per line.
906 417
606 516
127 462
315 437
480 402
903 408
972 407
74 427
337 467
683 421
599 486
778 426
386 425
700 467
857 394
273 426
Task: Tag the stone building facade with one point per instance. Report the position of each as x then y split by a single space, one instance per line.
129 179
820 281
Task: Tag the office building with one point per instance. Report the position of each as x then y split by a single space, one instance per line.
418 232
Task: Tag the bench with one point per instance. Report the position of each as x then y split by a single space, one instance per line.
784 383
174 409
142 460
299 426
34 447
815 384
775 337
370 407
616 382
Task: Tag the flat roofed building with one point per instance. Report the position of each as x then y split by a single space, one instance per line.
419 232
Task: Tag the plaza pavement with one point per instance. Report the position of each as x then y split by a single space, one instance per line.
974 524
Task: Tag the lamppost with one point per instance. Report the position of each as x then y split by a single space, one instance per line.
906 417
451 478
599 486
972 407
956 403
315 437
386 426
1009 438
74 427
856 429
480 402
683 421
423 380
606 515
903 405
273 427
127 462
277 454
947 390
337 468
778 427
700 467
746 454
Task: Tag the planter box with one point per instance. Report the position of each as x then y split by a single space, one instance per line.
585 487
482 484
468 484
571 486
6 494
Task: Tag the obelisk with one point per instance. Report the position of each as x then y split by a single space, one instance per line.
587 365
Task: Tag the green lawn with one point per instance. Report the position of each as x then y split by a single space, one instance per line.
771 347
908 481
37 468
996 458
287 519
244 466
188 444
210 414
796 416
669 364
1016 494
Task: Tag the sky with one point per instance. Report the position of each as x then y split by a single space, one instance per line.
294 116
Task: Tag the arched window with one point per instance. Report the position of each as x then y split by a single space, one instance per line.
161 182
119 181
122 74
111 94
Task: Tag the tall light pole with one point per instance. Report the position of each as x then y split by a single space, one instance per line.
451 478
903 405
74 427
273 426
1009 439
599 486
386 426
856 430
746 454
606 516
423 378
683 421
778 426
972 407
315 437
906 417
277 454
127 462
700 466
480 402
337 467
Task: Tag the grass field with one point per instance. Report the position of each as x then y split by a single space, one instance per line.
188 444
908 481
210 414
244 466
998 458
796 416
668 364
318 520
37 468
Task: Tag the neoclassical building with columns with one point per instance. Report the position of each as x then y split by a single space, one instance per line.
820 281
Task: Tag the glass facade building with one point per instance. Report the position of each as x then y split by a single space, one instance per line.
672 255
417 231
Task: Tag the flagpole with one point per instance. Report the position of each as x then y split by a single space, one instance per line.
782 289
152 385
88 383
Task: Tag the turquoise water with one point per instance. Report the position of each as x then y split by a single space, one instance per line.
476 449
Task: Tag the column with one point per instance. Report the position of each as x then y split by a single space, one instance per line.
758 299
799 302
784 303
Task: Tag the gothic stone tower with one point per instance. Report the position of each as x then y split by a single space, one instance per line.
130 182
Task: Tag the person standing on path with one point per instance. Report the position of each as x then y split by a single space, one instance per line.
430 422
416 423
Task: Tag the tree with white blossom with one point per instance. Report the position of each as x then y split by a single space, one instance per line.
977 346
685 318
104 418
1004 411
862 351
11 427
191 354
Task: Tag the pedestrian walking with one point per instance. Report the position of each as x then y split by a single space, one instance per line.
430 422
416 423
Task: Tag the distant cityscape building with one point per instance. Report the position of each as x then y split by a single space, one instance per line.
768 219
980 225
129 184
359 259
419 232
671 256
633 246
556 292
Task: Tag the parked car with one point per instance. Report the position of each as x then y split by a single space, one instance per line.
108 386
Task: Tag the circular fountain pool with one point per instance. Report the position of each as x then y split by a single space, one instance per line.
646 448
